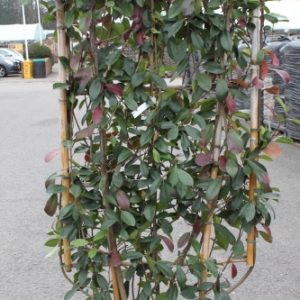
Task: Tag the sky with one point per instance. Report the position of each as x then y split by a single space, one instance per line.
287 8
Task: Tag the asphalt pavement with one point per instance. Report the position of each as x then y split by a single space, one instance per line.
29 127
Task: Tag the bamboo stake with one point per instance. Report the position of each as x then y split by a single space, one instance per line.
256 45
220 122
64 124
119 290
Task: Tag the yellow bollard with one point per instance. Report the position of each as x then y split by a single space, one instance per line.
27 69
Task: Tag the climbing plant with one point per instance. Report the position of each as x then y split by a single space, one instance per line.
161 181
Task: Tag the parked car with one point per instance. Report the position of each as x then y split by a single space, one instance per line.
9 65
11 53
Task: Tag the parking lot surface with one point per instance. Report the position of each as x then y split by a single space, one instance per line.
29 127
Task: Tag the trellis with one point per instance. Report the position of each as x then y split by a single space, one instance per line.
80 81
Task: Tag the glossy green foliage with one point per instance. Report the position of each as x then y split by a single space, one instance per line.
142 157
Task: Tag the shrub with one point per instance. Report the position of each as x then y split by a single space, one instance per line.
39 51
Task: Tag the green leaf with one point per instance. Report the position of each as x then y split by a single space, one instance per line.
70 293
100 235
214 68
131 103
127 218
75 190
113 57
69 18
92 253
266 236
284 140
204 81
193 132
132 255
156 155
197 40
180 276
140 2
60 85
95 89
231 167
165 268
175 9
226 41
102 282
185 178
212 267
173 29
248 211
173 133
260 57
221 89
149 212
223 236
137 79
213 189
55 189
51 205
160 82
172 292
173 178
124 155
52 243
146 136
79 243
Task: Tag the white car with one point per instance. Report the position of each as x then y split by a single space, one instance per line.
11 53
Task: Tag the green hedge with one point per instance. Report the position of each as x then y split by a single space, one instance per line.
39 51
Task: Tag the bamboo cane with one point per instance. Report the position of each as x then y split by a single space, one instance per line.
256 41
206 245
119 291
220 122
64 124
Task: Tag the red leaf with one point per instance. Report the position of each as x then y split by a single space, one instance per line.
115 259
197 226
266 182
234 271
84 75
167 242
258 83
242 22
137 14
273 150
183 240
231 105
75 60
283 74
242 83
115 88
84 133
97 115
87 157
126 35
203 142
141 38
267 229
136 27
203 159
222 163
264 69
51 155
274 59
274 90
122 200
105 20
